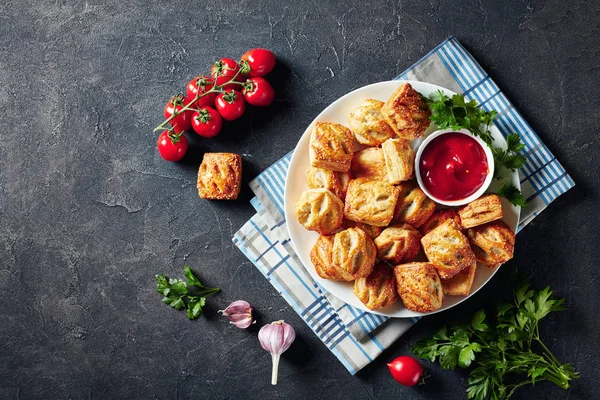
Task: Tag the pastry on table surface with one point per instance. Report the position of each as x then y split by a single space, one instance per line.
485 209
493 243
398 243
437 218
378 289
399 160
320 210
419 286
370 230
353 253
331 146
368 125
321 254
220 176
413 206
407 113
370 202
369 163
460 284
324 178
448 249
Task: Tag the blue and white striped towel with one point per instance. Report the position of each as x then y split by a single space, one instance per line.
356 337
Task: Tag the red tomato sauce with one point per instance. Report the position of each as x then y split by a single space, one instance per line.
453 166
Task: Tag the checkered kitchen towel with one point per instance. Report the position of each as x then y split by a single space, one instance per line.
354 336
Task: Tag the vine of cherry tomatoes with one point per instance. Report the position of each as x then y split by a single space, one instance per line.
210 99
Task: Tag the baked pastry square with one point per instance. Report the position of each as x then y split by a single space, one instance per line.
353 253
324 178
407 113
460 284
399 160
370 202
437 218
370 230
448 249
493 243
485 209
378 289
320 210
331 146
419 286
369 163
368 125
220 176
344 178
320 256
398 243
413 206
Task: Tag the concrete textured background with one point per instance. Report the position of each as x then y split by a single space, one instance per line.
89 212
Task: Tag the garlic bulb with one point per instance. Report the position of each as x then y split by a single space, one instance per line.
239 313
276 338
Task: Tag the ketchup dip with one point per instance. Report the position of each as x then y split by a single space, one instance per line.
453 166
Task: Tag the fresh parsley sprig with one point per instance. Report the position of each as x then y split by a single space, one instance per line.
177 295
456 113
506 353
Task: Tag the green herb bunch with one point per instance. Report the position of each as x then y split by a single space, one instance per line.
456 113
506 356
177 295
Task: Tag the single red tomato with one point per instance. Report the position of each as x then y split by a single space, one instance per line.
224 70
181 122
207 122
406 370
230 104
200 84
259 62
172 146
258 92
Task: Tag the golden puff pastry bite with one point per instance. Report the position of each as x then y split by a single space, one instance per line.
220 176
353 254
485 209
419 286
437 218
378 289
331 146
320 256
460 284
320 210
369 163
324 178
399 160
407 113
344 178
398 243
413 206
448 249
370 202
370 230
493 243
368 125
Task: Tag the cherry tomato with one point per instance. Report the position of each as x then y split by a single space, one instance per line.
258 92
224 70
172 146
200 84
406 370
207 122
181 122
230 104
259 61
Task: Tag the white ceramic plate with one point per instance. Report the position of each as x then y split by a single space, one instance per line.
304 240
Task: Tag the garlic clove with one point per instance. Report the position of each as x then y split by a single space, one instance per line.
239 313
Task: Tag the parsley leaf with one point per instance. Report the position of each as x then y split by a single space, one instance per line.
512 194
177 295
503 356
456 113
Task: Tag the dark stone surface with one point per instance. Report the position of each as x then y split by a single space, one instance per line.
89 212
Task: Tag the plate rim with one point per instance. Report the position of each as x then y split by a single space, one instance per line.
289 214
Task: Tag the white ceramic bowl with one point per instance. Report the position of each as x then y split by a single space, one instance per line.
486 182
